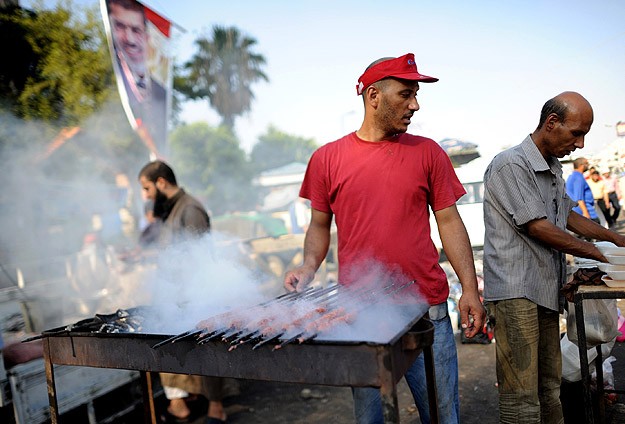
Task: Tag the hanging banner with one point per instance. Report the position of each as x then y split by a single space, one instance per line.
138 40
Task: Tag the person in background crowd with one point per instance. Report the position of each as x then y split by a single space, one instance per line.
379 183
151 231
600 194
526 215
577 188
183 217
614 195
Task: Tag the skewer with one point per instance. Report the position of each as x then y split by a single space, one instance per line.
174 339
205 334
265 341
212 336
257 336
249 329
231 333
286 342
247 336
304 339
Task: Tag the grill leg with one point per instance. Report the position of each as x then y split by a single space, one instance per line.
149 411
390 406
91 413
54 407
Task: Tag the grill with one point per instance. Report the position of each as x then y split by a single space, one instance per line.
303 357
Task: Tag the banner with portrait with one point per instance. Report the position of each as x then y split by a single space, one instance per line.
138 40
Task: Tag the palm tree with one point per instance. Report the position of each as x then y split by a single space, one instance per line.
223 70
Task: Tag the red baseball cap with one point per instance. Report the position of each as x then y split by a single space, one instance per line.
403 67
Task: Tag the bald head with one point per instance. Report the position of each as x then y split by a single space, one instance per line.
563 105
564 122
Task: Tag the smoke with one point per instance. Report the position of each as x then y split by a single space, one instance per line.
70 212
61 197
197 279
201 287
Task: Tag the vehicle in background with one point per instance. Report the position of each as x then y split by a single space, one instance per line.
269 245
470 206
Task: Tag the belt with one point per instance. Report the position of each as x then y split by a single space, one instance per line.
439 311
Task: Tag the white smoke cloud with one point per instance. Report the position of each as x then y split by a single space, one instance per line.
195 280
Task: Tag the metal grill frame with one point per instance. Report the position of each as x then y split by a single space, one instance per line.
353 364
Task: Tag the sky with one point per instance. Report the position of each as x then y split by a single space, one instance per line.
498 62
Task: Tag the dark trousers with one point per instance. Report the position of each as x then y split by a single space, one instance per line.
606 211
615 205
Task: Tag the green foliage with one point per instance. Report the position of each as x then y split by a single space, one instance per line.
222 71
60 75
276 148
71 73
210 163
14 72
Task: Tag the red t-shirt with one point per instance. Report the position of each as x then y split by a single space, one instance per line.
379 193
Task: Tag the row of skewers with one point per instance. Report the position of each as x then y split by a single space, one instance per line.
292 317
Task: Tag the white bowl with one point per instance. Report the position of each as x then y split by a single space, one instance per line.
605 267
601 244
615 259
608 248
614 251
612 283
616 274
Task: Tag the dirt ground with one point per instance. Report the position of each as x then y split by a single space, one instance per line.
280 403
277 403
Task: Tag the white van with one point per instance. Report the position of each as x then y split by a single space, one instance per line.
470 206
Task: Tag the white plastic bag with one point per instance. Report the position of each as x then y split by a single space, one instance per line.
600 321
571 371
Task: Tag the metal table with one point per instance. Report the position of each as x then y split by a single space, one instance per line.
356 364
583 293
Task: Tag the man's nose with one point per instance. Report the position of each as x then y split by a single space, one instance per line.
130 36
579 143
414 105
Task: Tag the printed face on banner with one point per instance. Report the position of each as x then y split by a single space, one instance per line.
130 39
129 33
138 40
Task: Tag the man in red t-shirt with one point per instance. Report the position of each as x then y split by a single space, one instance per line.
379 183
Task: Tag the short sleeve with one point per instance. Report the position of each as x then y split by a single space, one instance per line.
445 187
516 191
315 186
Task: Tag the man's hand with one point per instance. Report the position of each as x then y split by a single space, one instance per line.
298 278
619 240
472 314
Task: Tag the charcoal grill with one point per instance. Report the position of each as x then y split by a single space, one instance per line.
315 361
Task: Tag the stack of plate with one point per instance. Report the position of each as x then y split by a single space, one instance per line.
615 268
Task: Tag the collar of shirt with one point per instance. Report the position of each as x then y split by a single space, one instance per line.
537 160
169 204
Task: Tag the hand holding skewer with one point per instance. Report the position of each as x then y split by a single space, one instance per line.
298 278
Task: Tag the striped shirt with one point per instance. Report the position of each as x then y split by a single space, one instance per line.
521 186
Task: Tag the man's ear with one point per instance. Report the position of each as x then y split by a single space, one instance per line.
551 122
372 96
160 183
